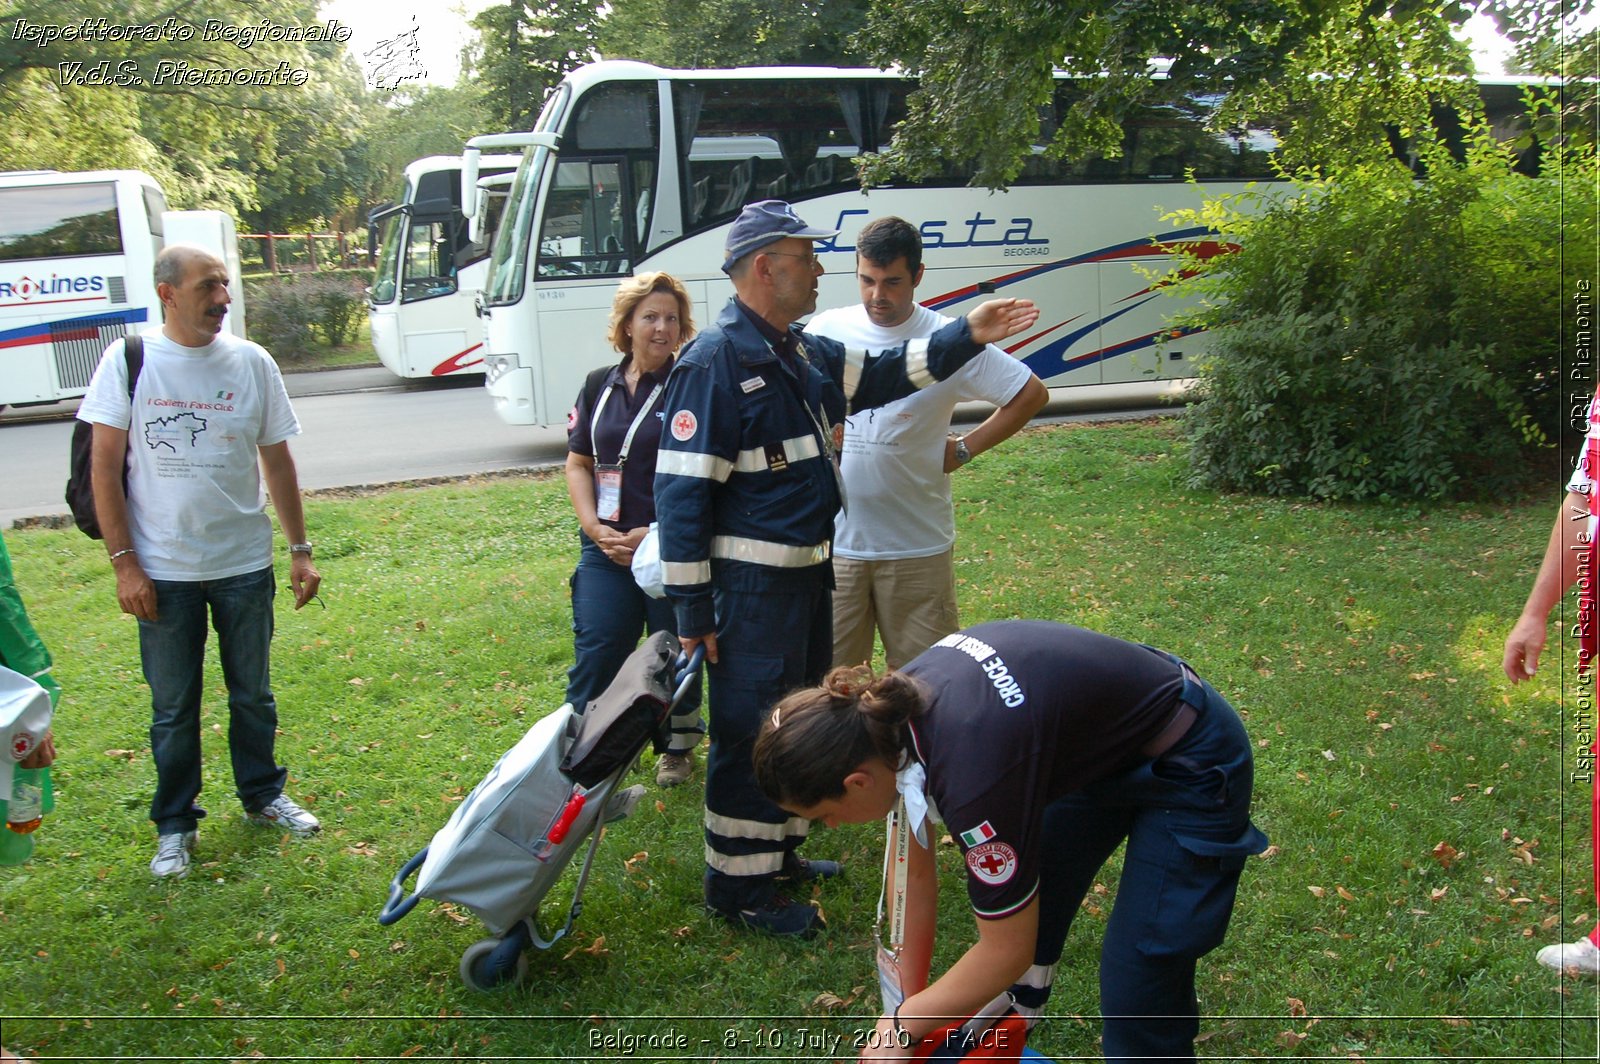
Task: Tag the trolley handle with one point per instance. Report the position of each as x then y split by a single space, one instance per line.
685 669
399 902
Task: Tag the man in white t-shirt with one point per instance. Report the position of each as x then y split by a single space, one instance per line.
894 547
190 536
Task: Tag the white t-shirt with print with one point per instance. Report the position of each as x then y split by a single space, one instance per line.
893 456
196 509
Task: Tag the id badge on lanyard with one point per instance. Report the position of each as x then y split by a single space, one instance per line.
608 478
608 492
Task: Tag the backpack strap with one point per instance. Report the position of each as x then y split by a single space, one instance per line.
133 355
591 387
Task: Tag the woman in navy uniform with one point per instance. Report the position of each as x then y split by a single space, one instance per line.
613 432
1042 747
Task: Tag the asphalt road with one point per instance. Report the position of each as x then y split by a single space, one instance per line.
366 427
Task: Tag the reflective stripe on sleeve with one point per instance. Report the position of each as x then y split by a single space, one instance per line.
917 364
762 552
854 360
797 449
693 464
796 827
685 574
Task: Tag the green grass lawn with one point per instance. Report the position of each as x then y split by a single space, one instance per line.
1427 834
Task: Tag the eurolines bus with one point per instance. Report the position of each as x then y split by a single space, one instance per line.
430 268
631 167
77 251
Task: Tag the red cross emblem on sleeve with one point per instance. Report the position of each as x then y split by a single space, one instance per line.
992 862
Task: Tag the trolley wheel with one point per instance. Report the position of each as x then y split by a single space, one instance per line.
492 964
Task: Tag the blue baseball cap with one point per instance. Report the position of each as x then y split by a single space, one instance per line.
767 222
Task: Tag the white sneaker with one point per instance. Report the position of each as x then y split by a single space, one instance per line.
174 852
1580 956
283 813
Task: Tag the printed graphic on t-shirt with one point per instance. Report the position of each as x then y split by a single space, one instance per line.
177 433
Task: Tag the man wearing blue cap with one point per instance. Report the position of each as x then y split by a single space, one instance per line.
746 490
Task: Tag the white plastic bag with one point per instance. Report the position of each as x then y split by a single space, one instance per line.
647 565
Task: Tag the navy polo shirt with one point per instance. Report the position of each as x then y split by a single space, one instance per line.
602 440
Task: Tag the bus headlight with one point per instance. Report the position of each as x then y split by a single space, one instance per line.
497 366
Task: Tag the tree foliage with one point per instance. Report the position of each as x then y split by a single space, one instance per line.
277 155
525 47
719 33
985 69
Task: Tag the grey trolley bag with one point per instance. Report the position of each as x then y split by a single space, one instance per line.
507 844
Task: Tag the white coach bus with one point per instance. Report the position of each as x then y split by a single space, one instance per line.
76 255
632 167
429 269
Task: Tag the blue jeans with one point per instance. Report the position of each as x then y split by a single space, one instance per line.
172 651
609 614
1186 819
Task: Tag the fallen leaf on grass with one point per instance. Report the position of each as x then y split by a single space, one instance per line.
1445 854
361 849
1317 892
594 949
1438 892
826 1000
126 755
1297 1007
1345 894
1290 1039
632 863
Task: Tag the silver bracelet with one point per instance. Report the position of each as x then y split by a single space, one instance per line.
299 548
120 553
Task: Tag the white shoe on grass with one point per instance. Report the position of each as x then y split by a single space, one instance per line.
1580 956
283 813
174 852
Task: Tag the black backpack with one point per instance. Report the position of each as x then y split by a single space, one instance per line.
80 485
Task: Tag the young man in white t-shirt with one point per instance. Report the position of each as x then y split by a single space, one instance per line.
209 416
893 548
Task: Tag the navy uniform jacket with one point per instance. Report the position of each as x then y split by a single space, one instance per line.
745 478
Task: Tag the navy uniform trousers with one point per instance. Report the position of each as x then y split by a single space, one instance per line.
1186 819
771 638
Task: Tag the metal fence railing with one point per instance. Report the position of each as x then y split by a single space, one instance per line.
292 252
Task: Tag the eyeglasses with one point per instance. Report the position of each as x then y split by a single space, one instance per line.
810 256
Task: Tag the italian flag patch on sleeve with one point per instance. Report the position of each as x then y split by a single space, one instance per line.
982 833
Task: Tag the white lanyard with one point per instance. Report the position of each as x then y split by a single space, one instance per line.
896 874
627 441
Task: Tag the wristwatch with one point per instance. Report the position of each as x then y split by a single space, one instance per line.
963 456
300 548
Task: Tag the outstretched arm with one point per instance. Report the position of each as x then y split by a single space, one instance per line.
995 319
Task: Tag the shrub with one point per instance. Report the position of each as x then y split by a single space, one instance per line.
1380 336
275 318
287 313
336 300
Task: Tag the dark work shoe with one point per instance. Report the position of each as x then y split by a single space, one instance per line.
780 915
797 869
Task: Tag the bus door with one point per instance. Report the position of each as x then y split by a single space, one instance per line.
586 245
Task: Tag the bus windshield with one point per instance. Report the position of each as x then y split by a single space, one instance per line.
511 250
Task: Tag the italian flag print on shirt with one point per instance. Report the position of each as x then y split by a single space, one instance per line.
982 833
